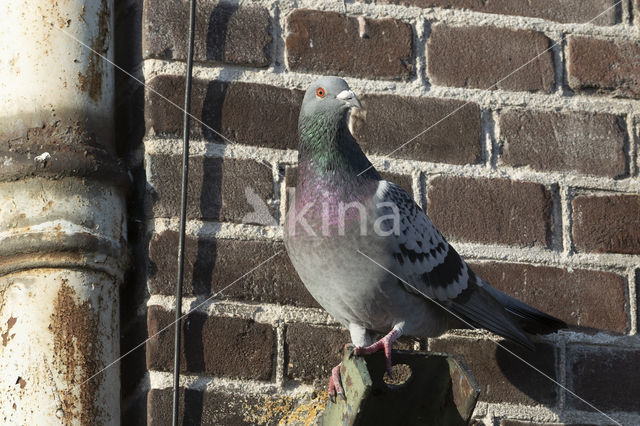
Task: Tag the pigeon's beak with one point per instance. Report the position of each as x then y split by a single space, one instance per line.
349 98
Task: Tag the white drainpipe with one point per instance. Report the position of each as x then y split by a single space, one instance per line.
62 214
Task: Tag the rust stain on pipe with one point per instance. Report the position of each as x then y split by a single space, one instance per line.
5 336
77 347
91 80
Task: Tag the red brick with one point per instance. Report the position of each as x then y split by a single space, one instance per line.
405 181
213 264
219 346
501 376
312 351
491 210
580 297
579 11
209 407
387 122
607 224
223 32
330 43
607 377
608 66
589 143
483 57
216 189
246 113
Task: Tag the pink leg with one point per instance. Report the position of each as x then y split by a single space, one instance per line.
384 343
335 386
335 381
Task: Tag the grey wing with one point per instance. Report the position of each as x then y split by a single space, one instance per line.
420 252
429 266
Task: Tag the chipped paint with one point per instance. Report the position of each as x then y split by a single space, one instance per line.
6 337
42 157
66 329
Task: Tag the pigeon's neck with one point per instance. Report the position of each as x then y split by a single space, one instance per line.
328 153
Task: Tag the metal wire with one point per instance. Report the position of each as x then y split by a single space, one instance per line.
183 215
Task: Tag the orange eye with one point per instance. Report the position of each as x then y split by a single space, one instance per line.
320 92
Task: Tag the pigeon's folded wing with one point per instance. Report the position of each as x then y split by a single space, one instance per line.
429 266
420 252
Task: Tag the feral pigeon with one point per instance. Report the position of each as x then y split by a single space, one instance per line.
370 255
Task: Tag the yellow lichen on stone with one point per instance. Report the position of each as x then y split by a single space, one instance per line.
287 410
307 413
272 407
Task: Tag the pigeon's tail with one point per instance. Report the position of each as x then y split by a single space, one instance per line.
480 308
530 319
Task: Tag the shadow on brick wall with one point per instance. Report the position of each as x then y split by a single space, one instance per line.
217 32
210 203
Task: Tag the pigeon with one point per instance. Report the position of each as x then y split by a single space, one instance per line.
371 256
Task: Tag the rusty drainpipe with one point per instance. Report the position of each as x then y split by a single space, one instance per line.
62 214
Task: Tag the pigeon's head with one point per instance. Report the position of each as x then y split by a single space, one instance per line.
328 96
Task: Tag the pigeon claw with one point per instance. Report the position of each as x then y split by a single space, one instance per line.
335 384
384 344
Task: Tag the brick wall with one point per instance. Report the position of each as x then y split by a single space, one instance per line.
530 170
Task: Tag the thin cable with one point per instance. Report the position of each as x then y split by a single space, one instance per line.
183 214
494 341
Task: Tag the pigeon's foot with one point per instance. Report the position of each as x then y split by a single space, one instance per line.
335 385
384 343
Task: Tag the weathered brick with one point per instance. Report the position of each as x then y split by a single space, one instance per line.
579 11
501 376
607 224
609 66
213 264
330 43
223 32
246 113
210 407
491 210
607 377
220 346
387 122
405 181
587 143
483 57
291 176
312 351
580 297
217 189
